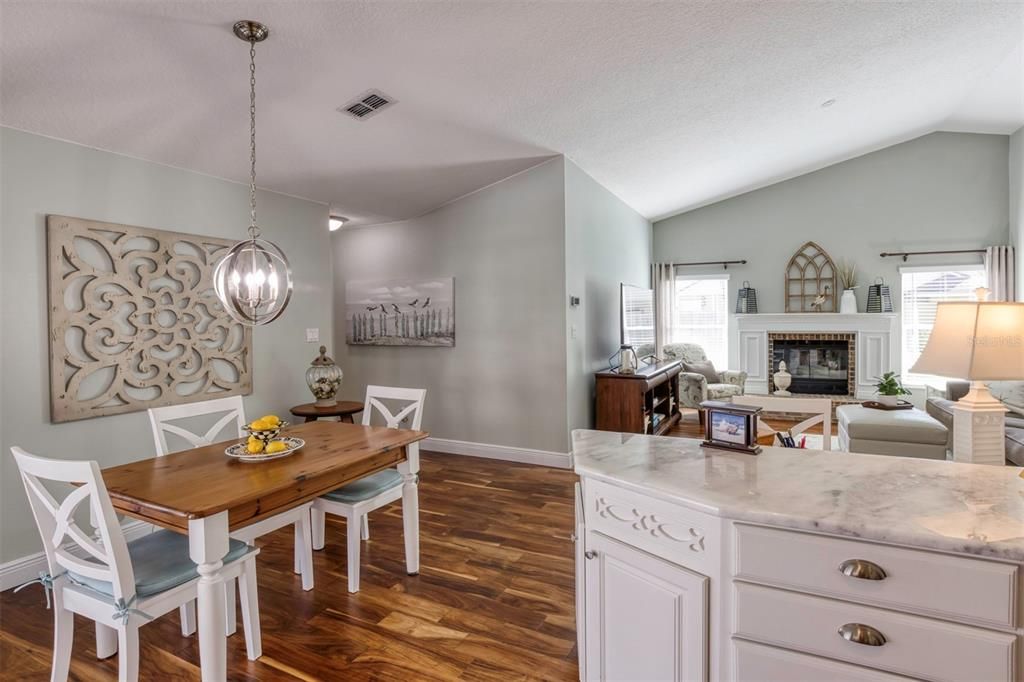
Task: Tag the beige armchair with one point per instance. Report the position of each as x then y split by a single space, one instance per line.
694 388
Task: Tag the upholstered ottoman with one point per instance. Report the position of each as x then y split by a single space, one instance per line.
905 433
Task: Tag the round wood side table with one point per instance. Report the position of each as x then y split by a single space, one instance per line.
344 409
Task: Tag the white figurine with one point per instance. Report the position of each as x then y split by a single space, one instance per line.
782 380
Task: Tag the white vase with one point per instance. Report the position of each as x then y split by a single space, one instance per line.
782 380
890 400
848 302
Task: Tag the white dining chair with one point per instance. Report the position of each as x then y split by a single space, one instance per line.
820 408
357 499
230 425
120 585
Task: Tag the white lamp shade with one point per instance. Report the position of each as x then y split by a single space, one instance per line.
976 341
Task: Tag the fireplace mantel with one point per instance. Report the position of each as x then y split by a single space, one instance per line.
877 343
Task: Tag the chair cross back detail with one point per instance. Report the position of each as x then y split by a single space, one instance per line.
56 520
821 408
414 396
160 418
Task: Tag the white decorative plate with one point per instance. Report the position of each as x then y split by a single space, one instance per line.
239 451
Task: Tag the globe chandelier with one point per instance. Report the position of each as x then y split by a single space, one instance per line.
253 281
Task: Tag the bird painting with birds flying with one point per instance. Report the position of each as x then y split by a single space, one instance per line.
400 312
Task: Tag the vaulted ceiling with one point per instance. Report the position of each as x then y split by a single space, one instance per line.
670 105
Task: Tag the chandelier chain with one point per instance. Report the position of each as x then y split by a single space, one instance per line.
254 231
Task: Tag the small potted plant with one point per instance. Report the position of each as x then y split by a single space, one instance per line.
889 389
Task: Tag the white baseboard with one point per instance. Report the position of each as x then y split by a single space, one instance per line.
19 571
558 460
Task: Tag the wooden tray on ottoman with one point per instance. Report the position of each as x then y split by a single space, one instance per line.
875 405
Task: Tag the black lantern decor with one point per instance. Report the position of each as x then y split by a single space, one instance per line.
879 297
746 300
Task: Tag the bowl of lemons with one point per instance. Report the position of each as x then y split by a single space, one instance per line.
265 440
264 431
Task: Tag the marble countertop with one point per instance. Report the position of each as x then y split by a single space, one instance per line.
968 508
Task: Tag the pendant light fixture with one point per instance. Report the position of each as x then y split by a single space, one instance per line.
253 280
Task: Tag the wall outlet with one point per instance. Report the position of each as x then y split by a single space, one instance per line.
313 335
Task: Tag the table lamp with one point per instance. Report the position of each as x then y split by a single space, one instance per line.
978 341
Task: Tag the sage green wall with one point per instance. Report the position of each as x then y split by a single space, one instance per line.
938 192
504 381
1017 204
517 250
606 243
40 176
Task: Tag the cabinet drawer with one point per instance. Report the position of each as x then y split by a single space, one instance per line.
756 662
679 534
958 588
914 646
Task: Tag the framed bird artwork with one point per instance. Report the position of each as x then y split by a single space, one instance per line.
400 312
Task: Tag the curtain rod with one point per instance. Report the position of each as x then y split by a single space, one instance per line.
724 263
907 254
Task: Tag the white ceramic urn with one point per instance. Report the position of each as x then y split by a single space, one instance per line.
782 380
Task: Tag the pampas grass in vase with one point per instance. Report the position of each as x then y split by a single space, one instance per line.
847 273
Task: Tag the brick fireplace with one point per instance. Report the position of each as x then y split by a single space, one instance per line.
872 348
821 363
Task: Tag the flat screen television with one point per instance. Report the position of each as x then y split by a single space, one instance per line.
636 315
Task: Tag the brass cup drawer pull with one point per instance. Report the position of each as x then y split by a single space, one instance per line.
861 634
862 569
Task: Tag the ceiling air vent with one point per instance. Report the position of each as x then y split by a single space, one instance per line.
367 104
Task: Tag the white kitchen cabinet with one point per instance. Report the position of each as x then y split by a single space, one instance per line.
794 566
645 618
579 538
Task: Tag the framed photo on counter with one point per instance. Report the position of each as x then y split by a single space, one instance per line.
730 427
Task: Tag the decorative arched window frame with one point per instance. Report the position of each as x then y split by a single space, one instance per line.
810 274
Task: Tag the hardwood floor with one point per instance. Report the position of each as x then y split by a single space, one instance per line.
493 600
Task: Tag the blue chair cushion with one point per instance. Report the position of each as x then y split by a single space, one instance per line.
367 487
160 561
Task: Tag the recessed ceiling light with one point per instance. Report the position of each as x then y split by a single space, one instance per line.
335 222
827 103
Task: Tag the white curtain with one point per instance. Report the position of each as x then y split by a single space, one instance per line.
1000 268
663 277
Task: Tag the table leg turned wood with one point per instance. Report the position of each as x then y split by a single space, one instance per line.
310 419
347 418
208 544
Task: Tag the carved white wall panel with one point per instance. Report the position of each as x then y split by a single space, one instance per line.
134 321
752 352
873 360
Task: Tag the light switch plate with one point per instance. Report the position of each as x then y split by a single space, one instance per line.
313 335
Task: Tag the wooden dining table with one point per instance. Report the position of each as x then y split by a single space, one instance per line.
206 494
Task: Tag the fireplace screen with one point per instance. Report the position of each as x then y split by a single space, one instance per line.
820 367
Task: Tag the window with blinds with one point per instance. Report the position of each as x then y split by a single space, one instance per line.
637 316
701 315
923 289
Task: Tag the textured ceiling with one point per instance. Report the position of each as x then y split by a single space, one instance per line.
669 105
